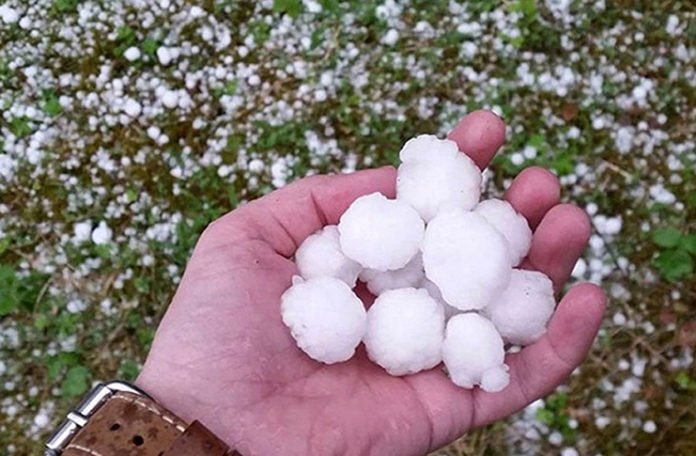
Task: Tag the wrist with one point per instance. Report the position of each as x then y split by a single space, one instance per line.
168 395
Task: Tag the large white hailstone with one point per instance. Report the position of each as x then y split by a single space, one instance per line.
404 331
434 175
435 293
132 107
132 53
170 99
511 224
474 353
522 311
164 55
325 317
380 233
102 234
320 255
466 258
9 15
410 275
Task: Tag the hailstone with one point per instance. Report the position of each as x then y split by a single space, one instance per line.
320 255
522 311
466 258
380 233
434 175
512 225
404 331
380 281
474 353
325 317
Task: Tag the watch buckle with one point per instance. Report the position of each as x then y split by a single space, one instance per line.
79 417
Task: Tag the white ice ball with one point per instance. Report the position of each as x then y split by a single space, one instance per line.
380 233
466 258
524 308
512 225
132 53
434 175
474 353
9 15
320 255
410 275
404 331
325 317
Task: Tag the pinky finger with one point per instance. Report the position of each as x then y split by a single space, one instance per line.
539 368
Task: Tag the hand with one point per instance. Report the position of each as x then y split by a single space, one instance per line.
223 356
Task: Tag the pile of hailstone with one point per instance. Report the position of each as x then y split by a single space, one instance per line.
442 266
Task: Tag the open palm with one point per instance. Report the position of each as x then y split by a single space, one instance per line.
223 356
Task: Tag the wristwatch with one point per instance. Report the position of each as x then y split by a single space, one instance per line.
117 418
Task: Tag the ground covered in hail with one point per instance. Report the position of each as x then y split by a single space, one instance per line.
126 126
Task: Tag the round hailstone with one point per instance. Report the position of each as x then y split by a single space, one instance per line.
320 255
404 331
164 55
102 234
434 175
9 15
380 281
132 54
474 354
522 311
132 108
380 233
325 317
512 225
466 258
170 99
434 293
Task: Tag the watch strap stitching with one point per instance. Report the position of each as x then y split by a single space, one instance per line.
168 419
198 440
84 449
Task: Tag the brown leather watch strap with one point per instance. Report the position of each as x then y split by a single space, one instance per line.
132 425
197 439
